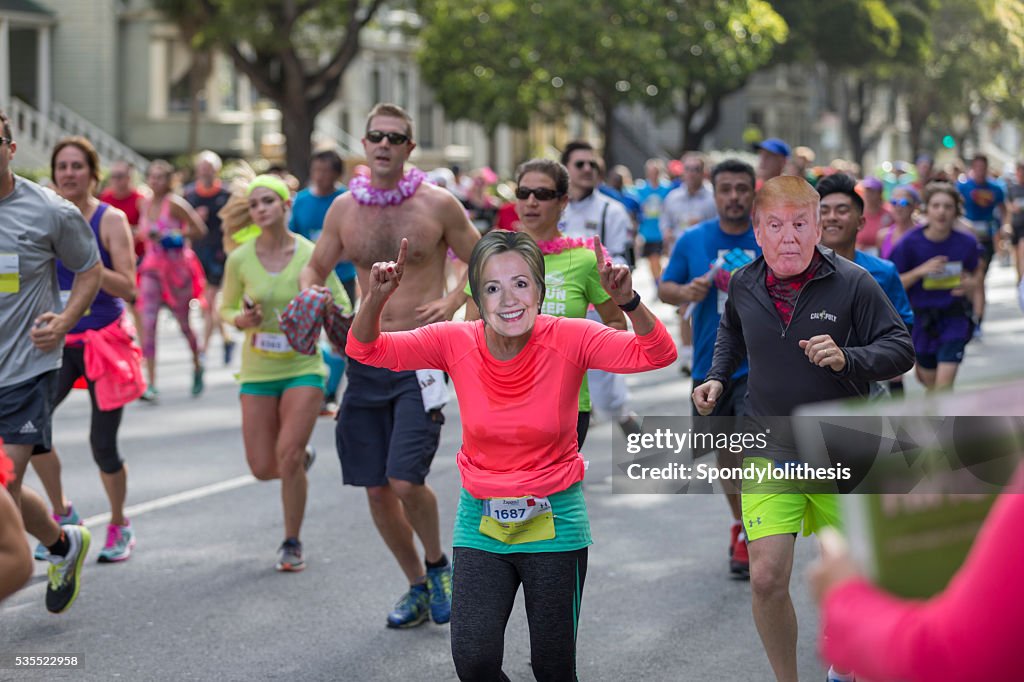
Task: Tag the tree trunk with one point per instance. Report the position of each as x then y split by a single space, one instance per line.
298 133
199 74
608 114
855 104
695 136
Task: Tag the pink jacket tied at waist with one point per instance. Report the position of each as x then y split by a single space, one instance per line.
307 313
113 362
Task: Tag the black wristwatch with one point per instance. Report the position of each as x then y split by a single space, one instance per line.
633 303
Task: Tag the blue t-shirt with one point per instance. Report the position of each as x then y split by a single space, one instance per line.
308 213
885 273
693 256
980 201
651 199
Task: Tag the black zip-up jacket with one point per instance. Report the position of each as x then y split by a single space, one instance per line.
841 300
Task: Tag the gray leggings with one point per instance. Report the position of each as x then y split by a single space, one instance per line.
484 589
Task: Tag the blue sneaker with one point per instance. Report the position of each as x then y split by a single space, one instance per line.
119 544
412 609
69 519
439 584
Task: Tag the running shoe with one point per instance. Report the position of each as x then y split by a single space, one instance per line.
119 544
65 572
289 556
197 380
439 585
310 457
833 676
71 518
229 351
739 562
412 609
328 409
149 395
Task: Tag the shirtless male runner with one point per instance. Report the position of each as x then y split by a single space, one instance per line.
386 436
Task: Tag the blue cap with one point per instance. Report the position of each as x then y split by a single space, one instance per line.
774 145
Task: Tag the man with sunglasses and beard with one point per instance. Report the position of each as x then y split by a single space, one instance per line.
387 430
590 213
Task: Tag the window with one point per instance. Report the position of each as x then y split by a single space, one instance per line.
425 126
179 76
376 85
402 94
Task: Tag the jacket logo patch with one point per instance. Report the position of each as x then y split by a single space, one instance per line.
823 315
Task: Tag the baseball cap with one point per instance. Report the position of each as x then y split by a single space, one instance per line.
774 145
871 182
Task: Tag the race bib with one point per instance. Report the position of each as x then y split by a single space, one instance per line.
273 345
10 280
517 520
948 278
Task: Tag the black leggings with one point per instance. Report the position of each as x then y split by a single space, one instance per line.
582 426
103 426
484 589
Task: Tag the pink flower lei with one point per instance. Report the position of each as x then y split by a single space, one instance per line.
557 245
368 195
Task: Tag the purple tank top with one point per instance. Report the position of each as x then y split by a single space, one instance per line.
105 308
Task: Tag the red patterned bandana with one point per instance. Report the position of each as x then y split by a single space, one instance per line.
784 292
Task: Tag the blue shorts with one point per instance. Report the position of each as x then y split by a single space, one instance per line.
948 351
383 431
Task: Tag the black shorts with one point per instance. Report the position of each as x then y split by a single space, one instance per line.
212 259
653 249
1018 232
26 411
383 431
988 249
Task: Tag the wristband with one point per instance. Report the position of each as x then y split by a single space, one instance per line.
633 303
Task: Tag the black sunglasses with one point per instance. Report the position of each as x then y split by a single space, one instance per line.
580 165
376 136
542 193
6 140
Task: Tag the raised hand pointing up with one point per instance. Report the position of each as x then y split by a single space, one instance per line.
616 279
387 275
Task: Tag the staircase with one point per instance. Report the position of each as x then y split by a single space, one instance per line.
37 134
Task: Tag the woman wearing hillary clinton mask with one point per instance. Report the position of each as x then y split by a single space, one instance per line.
281 389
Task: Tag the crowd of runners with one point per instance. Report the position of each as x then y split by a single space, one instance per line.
552 322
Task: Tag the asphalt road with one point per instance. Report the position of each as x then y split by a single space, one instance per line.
200 599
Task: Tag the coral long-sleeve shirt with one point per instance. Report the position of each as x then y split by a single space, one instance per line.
970 631
518 416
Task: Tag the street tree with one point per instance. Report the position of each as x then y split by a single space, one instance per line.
295 52
711 49
504 61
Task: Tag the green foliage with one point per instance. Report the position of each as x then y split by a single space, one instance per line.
293 51
502 61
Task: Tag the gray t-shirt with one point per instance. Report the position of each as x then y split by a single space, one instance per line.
36 228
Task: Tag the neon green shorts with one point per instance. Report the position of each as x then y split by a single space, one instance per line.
277 387
769 512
